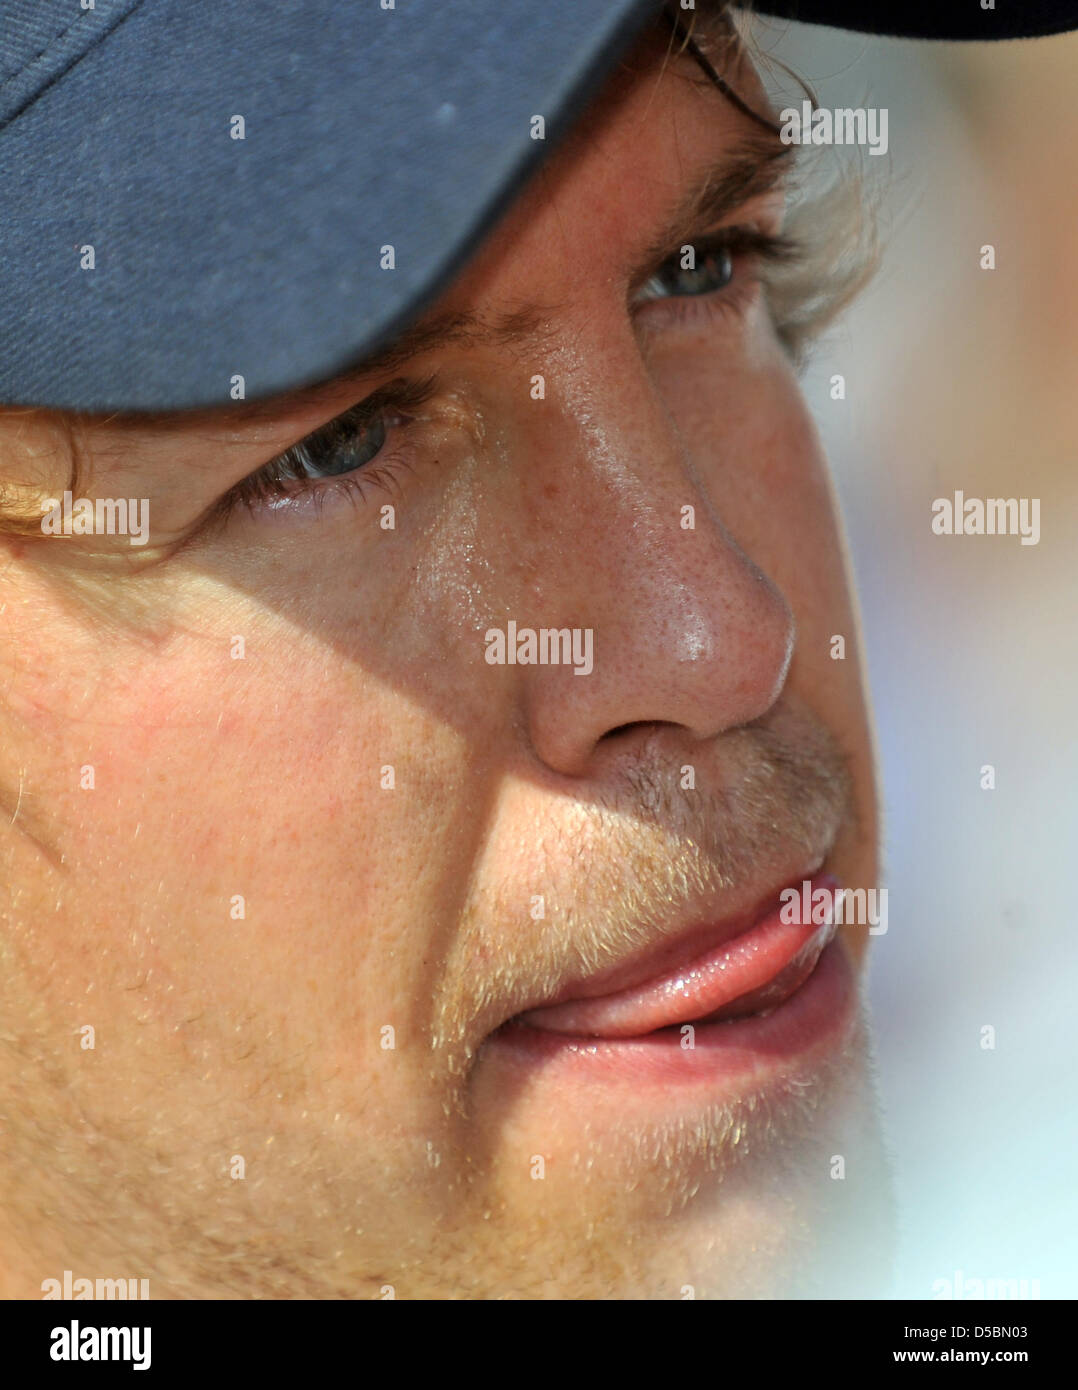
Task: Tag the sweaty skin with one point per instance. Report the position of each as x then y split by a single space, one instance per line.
245 900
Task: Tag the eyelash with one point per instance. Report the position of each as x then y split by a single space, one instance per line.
740 244
285 480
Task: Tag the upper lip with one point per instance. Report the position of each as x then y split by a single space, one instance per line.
696 931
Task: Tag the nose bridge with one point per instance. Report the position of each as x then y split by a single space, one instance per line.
620 499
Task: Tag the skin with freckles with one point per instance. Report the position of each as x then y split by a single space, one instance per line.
374 900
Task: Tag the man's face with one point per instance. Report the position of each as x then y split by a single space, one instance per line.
332 848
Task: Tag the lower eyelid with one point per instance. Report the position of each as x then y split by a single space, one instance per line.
303 499
702 308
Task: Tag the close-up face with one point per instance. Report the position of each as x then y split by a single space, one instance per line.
421 947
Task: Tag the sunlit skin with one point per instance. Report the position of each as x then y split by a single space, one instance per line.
261 1036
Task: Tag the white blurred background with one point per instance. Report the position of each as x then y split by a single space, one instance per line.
962 378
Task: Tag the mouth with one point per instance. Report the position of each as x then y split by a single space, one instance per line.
748 975
724 1003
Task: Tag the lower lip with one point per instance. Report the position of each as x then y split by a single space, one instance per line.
726 1058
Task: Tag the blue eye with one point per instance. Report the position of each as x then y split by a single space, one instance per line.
340 447
339 453
713 270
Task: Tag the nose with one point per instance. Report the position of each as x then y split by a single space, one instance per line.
685 628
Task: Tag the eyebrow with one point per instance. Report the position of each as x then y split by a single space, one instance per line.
757 166
460 326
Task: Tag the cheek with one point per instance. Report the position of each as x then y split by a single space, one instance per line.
263 834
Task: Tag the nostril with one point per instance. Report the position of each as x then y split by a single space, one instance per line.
633 726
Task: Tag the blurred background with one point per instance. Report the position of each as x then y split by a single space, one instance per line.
964 378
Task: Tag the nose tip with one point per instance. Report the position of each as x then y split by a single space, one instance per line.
705 645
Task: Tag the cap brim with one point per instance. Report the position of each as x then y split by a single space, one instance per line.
263 258
933 19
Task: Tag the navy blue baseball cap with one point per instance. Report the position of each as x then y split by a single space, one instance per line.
195 193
